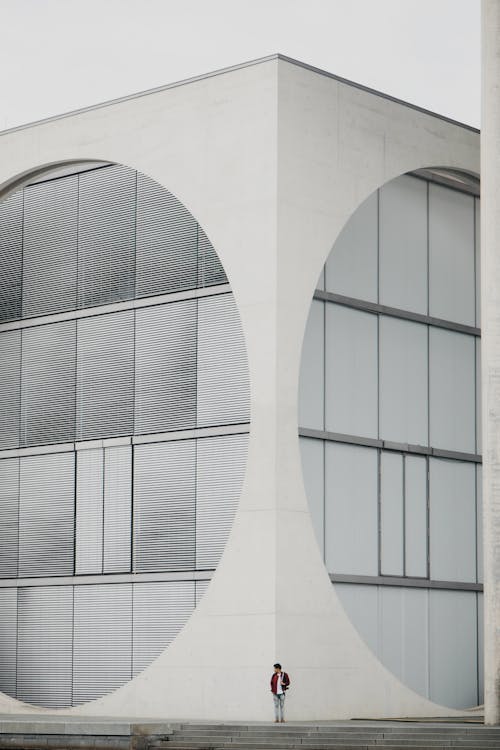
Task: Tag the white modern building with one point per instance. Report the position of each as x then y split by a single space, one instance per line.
240 421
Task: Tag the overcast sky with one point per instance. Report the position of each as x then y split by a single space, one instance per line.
59 55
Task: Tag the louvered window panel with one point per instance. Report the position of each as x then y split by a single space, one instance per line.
46 515
49 256
166 241
102 650
45 630
160 612
9 521
223 386
106 236
8 641
164 506
105 376
89 511
11 248
200 590
165 361
210 271
48 384
10 388
220 470
117 509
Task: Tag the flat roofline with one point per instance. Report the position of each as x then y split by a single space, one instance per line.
230 69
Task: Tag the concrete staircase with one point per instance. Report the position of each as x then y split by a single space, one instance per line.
328 736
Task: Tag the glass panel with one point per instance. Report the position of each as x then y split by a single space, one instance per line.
351 527
452 495
312 370
351 387
403 381
403 244
452 390
416 516
351 268
451 255
312 453
453 650
391 514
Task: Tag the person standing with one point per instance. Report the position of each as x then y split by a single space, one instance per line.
280 682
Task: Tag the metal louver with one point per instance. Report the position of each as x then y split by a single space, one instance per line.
165 367
164 506
10 388
11 243
44 644
166 241
105 376
220 468
89 511
48 384
8 640
160 611
49 254
46 515
9 516
102 649
117 509
223 386
106 236
210 271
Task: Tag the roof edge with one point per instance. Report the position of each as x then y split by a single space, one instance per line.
230 69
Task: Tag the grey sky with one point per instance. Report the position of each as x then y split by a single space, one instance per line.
58 55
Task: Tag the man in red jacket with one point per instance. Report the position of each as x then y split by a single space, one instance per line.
280 682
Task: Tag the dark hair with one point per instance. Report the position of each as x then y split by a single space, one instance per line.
277 666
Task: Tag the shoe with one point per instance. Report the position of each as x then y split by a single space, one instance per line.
282 721
276 721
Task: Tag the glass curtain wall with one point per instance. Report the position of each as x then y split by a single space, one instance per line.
390 432
124 419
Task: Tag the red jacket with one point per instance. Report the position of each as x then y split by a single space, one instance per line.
285 681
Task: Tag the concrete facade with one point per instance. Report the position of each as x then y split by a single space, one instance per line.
272 158
490 227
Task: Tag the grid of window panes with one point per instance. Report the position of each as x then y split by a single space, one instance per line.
124 411
390 432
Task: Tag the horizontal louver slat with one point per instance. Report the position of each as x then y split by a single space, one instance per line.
48 384
160 611
166 241
219 476
210 271
102 649
117 509
165 368
10 388
106 236
105 376
223 385
9 516
49 246
164 506
8 640
11 243
89 511
45 625
46 515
